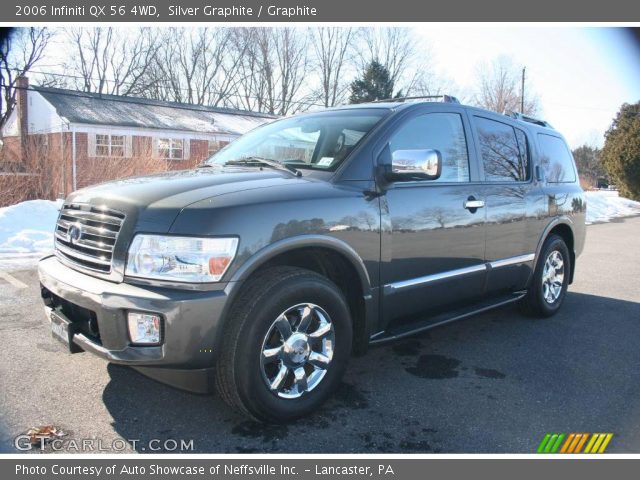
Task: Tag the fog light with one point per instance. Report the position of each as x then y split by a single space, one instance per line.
144 328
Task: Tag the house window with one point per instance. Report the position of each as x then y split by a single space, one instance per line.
171 148
110 145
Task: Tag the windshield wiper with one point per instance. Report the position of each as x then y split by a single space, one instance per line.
265 161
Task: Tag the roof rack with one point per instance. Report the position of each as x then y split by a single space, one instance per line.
527 118
442 98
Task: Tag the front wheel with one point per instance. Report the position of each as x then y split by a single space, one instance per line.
287 343
550 279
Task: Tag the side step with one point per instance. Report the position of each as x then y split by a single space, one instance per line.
402 331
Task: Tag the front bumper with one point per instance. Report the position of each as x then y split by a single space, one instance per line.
191 319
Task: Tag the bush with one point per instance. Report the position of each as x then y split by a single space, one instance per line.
621 152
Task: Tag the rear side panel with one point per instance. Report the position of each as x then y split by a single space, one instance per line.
563 200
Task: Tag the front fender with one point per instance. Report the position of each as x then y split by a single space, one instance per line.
304 241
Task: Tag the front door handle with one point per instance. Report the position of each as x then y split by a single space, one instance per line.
472 204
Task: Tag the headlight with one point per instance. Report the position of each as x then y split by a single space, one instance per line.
182 259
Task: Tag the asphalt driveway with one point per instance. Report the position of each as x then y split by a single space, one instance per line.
494 383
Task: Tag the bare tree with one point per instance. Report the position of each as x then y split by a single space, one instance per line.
332 48
291 54
112 61
426 83
499 88
20 50
198 66
396 49
273 70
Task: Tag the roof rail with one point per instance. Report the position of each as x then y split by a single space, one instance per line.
442 98
527 118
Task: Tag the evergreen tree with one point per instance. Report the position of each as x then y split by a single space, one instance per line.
375 84
590 165
621 152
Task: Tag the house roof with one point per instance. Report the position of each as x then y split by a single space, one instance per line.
114 110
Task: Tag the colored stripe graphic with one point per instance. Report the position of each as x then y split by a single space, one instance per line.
565 447
574 442
605 443
598 442
551 442
581 443
543 443
556 445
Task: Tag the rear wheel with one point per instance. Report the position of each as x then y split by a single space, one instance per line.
550 279
287 343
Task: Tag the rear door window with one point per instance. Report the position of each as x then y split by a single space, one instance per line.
555 159
503 150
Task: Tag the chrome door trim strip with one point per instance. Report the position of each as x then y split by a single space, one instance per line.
505 262
391 288
436 277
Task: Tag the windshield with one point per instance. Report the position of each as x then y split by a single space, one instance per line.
321 141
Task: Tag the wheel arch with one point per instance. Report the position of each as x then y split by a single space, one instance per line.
564 228
328 256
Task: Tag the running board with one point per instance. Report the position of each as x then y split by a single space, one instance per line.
444 318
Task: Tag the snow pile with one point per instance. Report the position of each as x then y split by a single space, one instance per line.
27 227
604 205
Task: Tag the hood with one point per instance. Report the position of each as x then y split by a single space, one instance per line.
154 201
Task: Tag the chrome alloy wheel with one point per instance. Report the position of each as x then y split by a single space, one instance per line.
552 277
297 350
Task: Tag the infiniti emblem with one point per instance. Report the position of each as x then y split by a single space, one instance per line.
74 233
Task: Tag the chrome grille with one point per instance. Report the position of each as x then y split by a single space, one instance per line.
86 235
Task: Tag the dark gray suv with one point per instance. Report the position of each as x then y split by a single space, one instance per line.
310 239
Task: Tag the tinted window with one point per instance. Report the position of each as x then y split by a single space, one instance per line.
505 159
555 159
437 131
523 147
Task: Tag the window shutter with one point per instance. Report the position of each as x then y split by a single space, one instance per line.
91 144
128 146
186 149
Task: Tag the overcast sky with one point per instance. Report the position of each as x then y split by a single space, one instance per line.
580 75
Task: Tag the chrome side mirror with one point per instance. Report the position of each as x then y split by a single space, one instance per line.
407 165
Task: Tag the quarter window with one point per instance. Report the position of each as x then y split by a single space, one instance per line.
504 151
437 131
555 159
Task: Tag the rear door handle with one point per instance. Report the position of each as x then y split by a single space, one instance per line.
472 204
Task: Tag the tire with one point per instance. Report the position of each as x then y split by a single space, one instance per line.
542 300
255 353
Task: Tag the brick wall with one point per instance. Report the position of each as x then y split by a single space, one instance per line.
48 159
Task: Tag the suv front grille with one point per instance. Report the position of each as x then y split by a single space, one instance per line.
86 235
